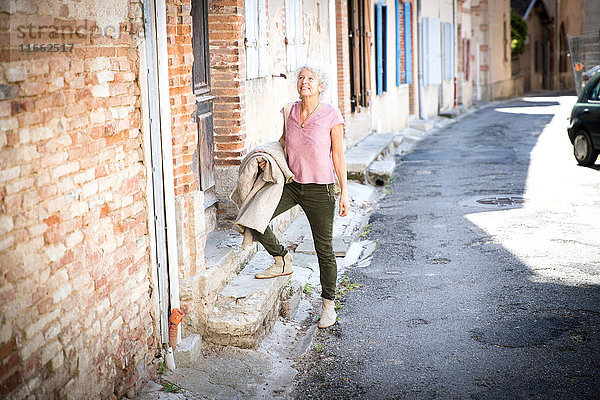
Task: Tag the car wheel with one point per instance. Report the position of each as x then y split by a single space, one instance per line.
583 150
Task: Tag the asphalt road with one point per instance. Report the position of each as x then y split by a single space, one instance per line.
475 300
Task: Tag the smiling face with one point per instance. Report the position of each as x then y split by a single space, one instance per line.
308 84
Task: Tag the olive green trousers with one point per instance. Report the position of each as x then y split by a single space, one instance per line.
318 203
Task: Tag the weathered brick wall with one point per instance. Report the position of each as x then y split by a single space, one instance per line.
343 57
76 315
228 73
189 200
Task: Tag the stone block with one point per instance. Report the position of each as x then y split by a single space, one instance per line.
421 124
188 351
379 172
361 155
247 308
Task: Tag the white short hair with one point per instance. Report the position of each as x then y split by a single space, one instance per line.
320 70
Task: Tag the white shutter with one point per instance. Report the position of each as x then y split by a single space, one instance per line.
300 53
251 19
290 33
434 49
263 41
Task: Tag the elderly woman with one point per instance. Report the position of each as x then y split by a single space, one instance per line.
312 137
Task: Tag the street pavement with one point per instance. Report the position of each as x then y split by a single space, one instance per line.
485 283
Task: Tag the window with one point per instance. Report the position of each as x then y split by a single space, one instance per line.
360 36
381 48
466 57
505 42
294 34
257 52
536 61
432 52
448 51
595 93
200 69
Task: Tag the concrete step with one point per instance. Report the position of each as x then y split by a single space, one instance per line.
361 155
421 124
247 308
380 172
188 351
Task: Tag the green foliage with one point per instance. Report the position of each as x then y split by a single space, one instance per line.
345 286
169 387
307 288
518 34
366 230
319 347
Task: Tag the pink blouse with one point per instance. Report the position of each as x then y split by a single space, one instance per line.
309 148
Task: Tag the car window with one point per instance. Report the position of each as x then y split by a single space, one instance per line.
595 93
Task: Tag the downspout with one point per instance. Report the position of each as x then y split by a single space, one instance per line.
455 47
160 116
421 48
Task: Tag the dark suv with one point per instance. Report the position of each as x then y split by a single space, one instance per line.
584 130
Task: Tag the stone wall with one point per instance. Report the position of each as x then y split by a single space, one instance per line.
77 316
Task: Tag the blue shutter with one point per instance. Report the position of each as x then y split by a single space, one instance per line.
407 44
384 46
398 50
378 50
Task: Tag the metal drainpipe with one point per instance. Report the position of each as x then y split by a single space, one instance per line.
455 49
420 48
156 29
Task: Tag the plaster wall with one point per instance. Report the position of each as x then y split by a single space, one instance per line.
499 44
266 96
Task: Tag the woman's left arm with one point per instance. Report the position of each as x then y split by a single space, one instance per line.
339 163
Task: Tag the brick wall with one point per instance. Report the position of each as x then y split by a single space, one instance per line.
76 315
183 102
343 57
228 73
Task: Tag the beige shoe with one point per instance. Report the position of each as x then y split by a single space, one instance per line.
328 314
281 267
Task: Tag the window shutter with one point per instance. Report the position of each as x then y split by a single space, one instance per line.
448 51
290 34
263 41
379 49
251 39
367 35
433 51
300 55
398 45
407 43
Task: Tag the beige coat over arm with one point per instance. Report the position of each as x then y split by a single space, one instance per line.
258 192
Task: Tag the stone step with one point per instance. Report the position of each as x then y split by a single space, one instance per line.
362 154
247 308
188 351
380 172
421 124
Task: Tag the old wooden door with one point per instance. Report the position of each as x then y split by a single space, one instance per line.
204 101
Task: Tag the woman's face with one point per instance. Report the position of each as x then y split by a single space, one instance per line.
308 84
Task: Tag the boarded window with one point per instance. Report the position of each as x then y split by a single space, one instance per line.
257 50
381 48
432 52
360 36
294 35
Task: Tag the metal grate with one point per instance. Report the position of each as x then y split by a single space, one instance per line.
585 57
502 201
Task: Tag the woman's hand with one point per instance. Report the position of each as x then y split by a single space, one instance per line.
262 164
344 204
